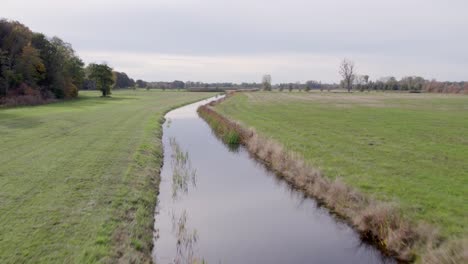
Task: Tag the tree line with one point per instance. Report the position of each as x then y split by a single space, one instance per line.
160 85
361 82
351 80
35 68
197 85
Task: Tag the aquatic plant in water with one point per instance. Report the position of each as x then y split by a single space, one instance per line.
183 174
186 240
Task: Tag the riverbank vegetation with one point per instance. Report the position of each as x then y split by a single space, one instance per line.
406 151
79 178
229 132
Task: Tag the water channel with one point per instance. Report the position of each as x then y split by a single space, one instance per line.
219 205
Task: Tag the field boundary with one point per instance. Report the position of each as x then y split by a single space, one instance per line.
380 222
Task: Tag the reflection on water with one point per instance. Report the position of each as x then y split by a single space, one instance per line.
182 172
186 240
221 206
168 122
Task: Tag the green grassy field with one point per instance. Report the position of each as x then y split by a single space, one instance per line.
408 148
78 178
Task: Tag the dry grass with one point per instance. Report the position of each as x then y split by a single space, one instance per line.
453 252
378 221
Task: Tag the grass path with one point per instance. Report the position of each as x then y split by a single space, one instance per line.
77 179
411 149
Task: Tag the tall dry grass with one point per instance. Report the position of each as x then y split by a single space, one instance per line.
453 252
381 222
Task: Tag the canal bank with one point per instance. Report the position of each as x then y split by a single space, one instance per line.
218 204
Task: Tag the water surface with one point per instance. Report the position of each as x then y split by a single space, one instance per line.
218 205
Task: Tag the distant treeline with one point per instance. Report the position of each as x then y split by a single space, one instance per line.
160 85
411 84
196 86
445 87
223 85
362 83
307 86
35 69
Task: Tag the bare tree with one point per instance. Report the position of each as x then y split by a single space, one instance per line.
347 73
266 82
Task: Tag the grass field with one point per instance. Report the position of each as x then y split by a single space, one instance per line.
411 149
77 178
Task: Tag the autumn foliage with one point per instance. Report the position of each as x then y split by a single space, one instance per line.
34 68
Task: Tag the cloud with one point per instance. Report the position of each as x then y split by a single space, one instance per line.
285 67
424 35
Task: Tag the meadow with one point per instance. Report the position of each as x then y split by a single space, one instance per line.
79 178
407 149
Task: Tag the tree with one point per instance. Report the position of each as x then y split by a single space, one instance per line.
411 83
48 67
30 65
266 82
178 84
347 73
281 87
366 82
68 73
89 85
121 80
102 75
361 82
308 86
14 37
392 84
298 86
313 85
141 84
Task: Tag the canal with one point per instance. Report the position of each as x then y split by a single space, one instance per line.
219 205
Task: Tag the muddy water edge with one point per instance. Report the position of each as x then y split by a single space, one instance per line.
219 205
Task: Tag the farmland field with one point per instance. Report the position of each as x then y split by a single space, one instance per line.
78 178
411 149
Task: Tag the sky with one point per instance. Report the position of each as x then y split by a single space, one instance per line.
240 40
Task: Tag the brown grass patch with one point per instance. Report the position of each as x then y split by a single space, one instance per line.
452 252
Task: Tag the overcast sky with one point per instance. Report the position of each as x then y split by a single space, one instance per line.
239 40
